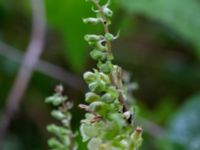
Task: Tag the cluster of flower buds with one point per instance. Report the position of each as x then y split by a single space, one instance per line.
64 135
107 123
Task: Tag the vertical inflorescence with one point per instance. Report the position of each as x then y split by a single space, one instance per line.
64 137
109 120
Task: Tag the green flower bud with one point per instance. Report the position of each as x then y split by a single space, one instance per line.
89 77
107 11
112 90
56 129
56 99
109 37
93 37
97 86
66 122
91 97
107 98
95 144
57 114
88 131
54 143
100 107
107 67
92 20
98 55
104 77
96 106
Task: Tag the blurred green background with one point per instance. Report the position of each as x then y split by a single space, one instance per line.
159 45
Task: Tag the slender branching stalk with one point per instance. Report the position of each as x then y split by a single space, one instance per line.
64 139
109 123
109 120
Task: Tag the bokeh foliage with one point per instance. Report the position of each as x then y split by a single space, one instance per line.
181 16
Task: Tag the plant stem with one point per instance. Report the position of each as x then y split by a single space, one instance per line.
109 47
105 26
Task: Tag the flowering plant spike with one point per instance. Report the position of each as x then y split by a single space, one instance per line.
109 119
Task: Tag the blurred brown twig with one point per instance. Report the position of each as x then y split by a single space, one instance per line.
31 58
49 69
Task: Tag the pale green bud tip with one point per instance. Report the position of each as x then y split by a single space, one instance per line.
97 106
107 67
91 97
93 37
58 130
107 11
98 55
56 99
58 114
92 20
89 77
52 128
54 143
97 86
104 77
111 37
108 98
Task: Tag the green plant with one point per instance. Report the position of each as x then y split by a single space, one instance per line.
109 121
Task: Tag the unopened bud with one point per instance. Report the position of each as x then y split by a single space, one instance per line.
98 55
89 77
100 107
107 11
104 77
92 20
53 142
93 37
96 106
97 86
109 37
56 99
58 114
107 98
107 67
91 97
